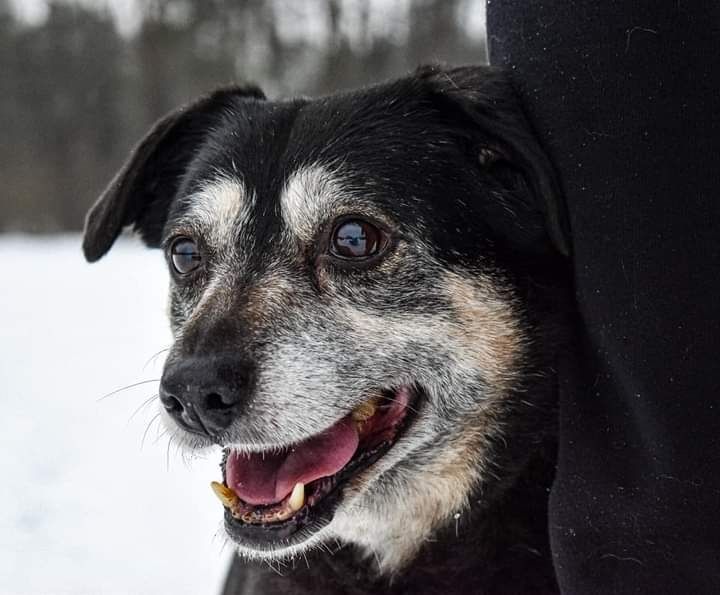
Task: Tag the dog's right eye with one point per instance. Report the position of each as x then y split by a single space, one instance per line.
356 239
185 256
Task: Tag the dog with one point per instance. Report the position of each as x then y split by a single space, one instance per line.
368 296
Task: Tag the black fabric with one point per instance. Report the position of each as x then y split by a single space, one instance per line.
626 96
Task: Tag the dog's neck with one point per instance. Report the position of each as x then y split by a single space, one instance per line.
502 548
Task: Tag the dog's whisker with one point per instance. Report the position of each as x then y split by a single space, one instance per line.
167 450
339 546
147 429
160 435
271 567
222 536
179 450
129 386
153 357
377 560
188 451
144 404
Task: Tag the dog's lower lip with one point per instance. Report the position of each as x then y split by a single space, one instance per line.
258 524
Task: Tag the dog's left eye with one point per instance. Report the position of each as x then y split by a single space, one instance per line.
185 256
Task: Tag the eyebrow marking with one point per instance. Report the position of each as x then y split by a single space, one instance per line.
309 196
220 209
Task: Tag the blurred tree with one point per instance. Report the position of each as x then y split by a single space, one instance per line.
75 94
61 117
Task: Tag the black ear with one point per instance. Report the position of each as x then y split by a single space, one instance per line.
141 192
484 99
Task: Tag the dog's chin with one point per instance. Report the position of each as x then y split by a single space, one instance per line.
279 503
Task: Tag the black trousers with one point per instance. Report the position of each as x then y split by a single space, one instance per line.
626 95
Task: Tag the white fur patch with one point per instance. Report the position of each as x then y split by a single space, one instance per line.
219 210
309 196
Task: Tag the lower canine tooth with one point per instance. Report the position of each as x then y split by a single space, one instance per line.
297 498
224 494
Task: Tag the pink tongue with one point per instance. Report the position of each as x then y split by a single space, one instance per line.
268 478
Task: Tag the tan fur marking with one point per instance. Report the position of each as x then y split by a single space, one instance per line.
488 335
488 329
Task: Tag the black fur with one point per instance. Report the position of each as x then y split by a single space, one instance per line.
450 155
437 125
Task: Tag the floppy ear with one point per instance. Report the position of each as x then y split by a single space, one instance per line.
485 101
141 192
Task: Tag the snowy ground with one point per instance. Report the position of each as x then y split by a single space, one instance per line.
85 507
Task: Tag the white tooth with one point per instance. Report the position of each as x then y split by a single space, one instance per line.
297 498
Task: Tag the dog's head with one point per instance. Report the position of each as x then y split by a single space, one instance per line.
355 288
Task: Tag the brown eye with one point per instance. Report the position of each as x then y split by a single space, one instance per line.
185 256
356 239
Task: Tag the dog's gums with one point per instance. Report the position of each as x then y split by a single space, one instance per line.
264 488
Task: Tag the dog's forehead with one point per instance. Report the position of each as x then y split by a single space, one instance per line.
272 167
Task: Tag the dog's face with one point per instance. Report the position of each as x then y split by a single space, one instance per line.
350 300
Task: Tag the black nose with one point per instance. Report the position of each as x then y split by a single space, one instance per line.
205 394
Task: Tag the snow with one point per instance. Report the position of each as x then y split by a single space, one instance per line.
85 507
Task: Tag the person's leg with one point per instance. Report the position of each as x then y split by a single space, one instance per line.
626 96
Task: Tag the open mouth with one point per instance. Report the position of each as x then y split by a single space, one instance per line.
272 496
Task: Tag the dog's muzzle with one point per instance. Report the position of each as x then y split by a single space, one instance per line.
279 493
282 495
